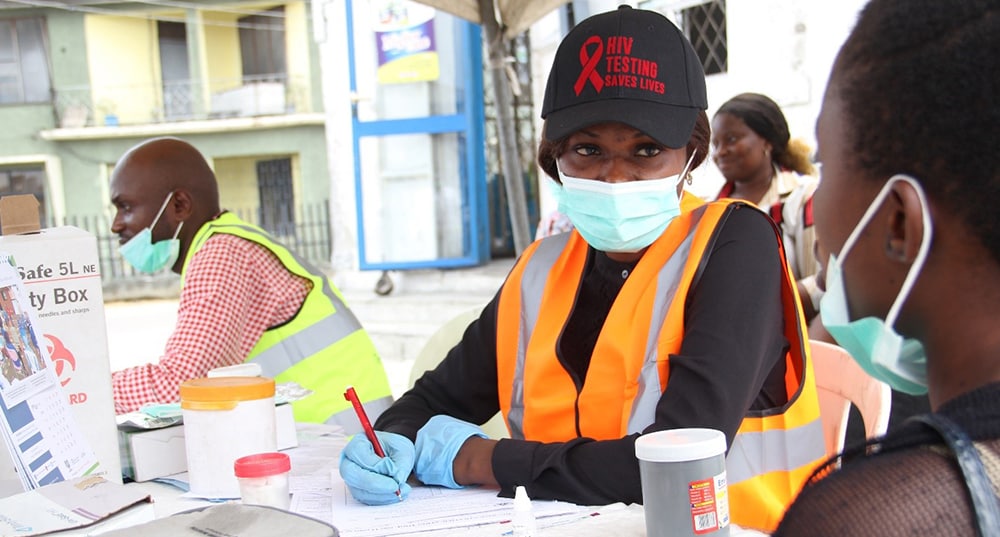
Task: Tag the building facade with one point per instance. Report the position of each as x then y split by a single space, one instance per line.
83 81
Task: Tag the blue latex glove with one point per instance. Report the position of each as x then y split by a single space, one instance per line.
374 480
438 442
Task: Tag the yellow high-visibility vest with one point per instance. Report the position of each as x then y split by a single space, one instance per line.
323 347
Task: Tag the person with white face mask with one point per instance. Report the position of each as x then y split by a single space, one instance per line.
147 256
657 311
907 210
245 297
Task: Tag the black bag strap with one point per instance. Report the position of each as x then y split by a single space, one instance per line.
984 500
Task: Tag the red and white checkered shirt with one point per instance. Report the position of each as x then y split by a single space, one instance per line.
234 289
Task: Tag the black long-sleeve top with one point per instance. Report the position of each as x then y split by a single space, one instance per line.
731 360
901 486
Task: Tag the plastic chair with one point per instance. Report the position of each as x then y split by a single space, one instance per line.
840 381
437 348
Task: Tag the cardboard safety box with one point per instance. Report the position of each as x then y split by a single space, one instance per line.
61 272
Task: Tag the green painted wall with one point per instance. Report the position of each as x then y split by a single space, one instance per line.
84 173
68 49
21 124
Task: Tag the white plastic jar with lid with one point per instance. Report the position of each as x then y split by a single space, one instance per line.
263 479
225 418
684 488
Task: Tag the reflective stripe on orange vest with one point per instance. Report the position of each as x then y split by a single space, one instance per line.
629 367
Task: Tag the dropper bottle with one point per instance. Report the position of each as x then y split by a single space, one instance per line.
524 517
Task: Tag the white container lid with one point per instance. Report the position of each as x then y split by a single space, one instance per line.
680 445
247 369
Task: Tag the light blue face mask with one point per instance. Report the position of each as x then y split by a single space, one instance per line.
620 217
148 256
874 344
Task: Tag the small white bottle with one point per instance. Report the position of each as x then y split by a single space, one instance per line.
524 517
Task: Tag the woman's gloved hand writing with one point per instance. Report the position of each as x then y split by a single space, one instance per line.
375 480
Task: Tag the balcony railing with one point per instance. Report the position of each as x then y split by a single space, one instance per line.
182 100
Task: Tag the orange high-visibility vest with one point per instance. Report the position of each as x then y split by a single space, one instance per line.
774 451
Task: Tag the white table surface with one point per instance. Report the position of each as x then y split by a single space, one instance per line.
618 520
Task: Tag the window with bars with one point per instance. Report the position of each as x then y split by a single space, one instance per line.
277 196
24 62
704 24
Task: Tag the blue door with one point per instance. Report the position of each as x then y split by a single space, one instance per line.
417 86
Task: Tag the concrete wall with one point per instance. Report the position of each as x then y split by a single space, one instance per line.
67 49
124 58
300 50
222 46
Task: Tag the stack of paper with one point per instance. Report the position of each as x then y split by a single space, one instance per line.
430 511
86 502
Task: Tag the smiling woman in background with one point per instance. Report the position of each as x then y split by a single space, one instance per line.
762 164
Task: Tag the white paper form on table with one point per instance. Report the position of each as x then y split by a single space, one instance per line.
435 510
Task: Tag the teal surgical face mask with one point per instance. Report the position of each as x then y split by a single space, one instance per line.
148 256
620 217
874 344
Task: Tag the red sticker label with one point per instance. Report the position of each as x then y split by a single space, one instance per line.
703 513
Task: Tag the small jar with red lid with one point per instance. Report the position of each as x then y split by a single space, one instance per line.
263 479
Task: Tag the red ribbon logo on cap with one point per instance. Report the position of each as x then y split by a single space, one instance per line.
589 64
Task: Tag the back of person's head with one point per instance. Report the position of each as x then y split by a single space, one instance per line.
766 119
631 66
918 81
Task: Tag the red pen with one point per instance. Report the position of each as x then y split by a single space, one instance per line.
352 396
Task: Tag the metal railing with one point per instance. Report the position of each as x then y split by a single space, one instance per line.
308 235
180 100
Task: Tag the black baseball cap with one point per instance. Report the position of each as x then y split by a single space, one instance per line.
629 65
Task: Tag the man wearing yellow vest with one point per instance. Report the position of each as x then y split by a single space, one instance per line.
244 297
657 311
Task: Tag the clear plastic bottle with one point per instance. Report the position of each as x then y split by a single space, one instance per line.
524 517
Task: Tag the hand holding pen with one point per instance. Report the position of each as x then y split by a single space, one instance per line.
375 466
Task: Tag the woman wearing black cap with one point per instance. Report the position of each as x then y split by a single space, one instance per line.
658 311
